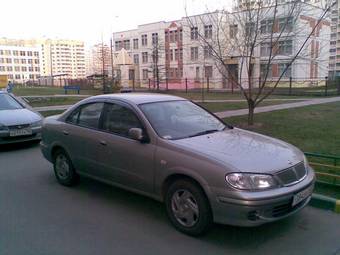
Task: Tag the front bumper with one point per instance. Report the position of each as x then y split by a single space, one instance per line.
5 137
258 211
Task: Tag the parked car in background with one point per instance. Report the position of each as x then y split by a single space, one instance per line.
18 122
172 150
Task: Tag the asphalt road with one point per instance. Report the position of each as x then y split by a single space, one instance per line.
38 216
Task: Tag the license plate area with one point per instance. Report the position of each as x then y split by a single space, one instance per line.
302 195
20 132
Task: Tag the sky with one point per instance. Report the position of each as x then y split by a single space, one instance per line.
88 20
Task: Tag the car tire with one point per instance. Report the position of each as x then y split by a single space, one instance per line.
188 207
63 169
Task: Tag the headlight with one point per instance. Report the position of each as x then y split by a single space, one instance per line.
37 123
247 181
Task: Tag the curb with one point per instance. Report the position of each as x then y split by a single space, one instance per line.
324 202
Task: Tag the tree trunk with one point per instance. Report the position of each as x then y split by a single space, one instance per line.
251 108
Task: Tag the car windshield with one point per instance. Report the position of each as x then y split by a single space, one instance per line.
8 103
180 119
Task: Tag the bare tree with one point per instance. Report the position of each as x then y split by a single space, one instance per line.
157 67
256 35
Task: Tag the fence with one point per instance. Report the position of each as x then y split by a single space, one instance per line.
327 167
287 86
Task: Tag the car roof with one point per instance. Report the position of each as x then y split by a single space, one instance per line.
140 98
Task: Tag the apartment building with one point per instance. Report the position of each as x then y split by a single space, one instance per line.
99 60
19 63
174 49
334 51
56 57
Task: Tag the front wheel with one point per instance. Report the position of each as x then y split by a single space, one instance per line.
63 169
188 208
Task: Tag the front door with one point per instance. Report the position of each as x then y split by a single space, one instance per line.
127 162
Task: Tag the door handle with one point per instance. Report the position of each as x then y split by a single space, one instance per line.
65 132
103 143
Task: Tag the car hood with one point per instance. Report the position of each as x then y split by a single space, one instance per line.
18 117
244 151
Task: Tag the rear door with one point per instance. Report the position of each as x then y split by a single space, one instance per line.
81 139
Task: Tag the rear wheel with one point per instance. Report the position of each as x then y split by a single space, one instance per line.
188 208
63 169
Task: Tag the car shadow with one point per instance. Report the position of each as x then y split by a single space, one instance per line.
18 146
219 235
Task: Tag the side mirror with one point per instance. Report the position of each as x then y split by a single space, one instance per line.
137 134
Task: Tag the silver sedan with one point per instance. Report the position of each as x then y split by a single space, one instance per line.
174 151
18 123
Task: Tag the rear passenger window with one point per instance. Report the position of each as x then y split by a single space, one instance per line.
89 115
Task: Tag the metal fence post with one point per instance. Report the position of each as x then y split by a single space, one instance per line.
149 84
186 85
133 84
290 85
326 86
167 83
208 84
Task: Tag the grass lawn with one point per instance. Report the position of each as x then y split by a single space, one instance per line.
39 91
312 128
48 101
50 113
225 106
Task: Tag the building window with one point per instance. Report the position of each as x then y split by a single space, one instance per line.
24 69
144 57
171 55
36 54
29 61
286 24
145 74
37 69
144 40
208 71
181 54
30 69
2 60
207 52
17 68
154 38
15 53
267 26
136 59
118 45
17 76
135 43
23 61
176 54
126 44
282 68
36 61
9 69
194 53
264 68
2 69
29 53
250 29
16 61
194 33
285 47
208 31
233 29
265 49
22 53
181 35
8 60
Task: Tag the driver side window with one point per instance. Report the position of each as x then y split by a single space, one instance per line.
119 119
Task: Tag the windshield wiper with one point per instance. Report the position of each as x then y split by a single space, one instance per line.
205 132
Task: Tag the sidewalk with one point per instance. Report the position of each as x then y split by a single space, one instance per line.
271 108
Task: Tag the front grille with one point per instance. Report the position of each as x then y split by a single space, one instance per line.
293 174
15 127
284 209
